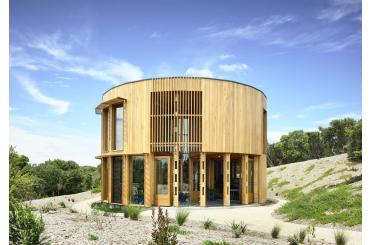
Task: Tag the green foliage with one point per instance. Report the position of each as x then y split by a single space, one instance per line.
106 207
238 229
134 212
342 135
92 237
161 234
24 227
181 216
340 238
282 168
96 189
310 168
297 238
283 183
208 224
325 205
62 204
275 231
270 172
177 229
273 182
208 242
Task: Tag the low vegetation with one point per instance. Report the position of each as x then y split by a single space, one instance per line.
275 231
161 233
297 238
134 212
48 207
273 182
208 224
324 205
106 207
92 237
283 183
208 242
238 229
177 229
308 170
340 238
181 216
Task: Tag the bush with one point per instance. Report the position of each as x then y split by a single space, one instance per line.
105 207
96 189
275 231
161 234
208 242
125 211
208 224
133 212
340 238
238 229
181 216
297 238
92 237
48 207
24 227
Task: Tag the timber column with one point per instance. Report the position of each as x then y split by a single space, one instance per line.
262 188
175 176
149 180
256 165
226 179
126 179
202 179
244 179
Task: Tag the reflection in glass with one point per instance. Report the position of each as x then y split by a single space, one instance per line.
250 175
161 176
196 174
137 193
119 128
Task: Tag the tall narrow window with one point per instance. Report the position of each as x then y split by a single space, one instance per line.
161 176
106 129
118 127
251 174
196 176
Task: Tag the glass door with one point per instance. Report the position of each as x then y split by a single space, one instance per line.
137 183
162 181
117 180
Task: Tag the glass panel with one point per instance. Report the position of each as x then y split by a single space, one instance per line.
161 176
196 174
107 129
185 173
250 175
116 179
119 128
137 193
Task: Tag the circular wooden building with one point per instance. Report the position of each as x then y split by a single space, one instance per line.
183 141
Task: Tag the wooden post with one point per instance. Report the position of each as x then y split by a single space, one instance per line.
109 189
103 179
226 179
149 180
244 180
126 179
203 188
255 178
262 186
176 166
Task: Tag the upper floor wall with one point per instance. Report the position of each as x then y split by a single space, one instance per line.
233 115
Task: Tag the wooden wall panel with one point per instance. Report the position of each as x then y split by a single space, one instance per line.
203 179
149 180
262 186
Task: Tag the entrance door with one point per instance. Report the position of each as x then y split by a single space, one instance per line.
116 180
162 181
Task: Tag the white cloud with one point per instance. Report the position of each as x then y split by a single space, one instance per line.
234 67
253 30
276 116
68 147
199 72
337 45
274 136
353 115
339 9
115 71
59 106
225 56
154 35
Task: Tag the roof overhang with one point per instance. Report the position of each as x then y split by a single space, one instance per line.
107 103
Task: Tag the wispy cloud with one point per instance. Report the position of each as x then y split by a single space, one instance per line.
154 35
276 116
234 67
317 107
353 115
337 45
255 29
59 106
225 56
339 9
204 72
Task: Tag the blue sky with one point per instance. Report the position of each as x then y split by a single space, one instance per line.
305 56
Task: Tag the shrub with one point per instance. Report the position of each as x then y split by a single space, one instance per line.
297 238
133 212
208 224
125 211
48 207
275 231
96 189
340 238
208 242
161 234
238 229
181 216
178 230
24 227
92 237
62 204
105 207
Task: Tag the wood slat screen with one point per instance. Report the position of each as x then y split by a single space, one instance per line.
176 120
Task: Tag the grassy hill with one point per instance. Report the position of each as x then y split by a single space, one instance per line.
326 190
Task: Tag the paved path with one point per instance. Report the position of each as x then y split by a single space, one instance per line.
257 217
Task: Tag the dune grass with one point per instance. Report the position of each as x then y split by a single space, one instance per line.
273 182
324 205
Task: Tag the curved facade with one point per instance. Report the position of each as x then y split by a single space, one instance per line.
183 141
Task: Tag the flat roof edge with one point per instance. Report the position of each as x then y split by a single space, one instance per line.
210 78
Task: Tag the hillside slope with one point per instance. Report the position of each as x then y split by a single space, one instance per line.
311 174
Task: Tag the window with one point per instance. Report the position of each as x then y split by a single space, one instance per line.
137 192
106 129
251 175
196 174
116 180
118 110
161 176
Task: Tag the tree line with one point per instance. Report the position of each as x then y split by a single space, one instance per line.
50 178
342 136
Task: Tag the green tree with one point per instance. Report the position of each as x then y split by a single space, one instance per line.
316 148
295 146
354 147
